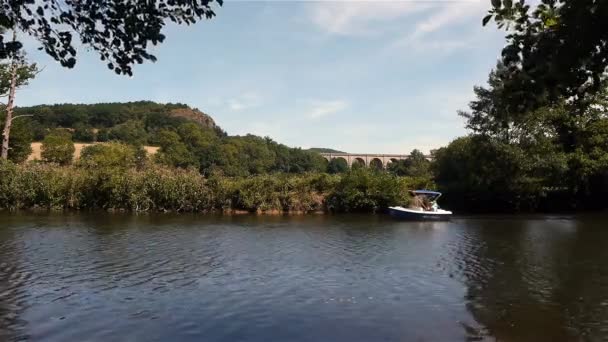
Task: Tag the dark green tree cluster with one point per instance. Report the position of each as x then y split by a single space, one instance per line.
191 145
552 157
540 128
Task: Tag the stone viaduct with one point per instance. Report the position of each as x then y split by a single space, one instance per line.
368 159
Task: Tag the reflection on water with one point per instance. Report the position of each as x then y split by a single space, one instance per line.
74 277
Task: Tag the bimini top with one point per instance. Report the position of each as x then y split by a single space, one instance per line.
426 192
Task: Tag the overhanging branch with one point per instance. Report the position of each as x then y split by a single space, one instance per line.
20 116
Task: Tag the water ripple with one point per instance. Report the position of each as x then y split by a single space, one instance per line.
351 278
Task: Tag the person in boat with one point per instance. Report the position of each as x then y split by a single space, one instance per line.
417 202
421 202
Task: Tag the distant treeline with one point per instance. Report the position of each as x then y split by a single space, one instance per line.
187 138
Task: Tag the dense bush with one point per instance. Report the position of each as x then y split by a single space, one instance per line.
57 147
367 190
109 155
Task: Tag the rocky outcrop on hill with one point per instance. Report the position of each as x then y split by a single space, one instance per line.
195 115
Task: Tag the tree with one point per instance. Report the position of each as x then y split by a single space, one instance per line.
480 173
559 49
131 132
57 147
173 151
120 31
243 156
14 74
22 136
306 161
416 165
337 165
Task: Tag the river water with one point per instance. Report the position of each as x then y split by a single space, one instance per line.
110 277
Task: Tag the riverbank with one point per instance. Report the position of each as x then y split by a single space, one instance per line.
154 188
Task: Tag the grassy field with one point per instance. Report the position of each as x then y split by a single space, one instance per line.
36 150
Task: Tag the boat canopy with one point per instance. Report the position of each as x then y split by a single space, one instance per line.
432 194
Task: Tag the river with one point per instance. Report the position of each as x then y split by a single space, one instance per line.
120 277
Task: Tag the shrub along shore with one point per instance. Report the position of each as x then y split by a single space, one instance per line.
150 187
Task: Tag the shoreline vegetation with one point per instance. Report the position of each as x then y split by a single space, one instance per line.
156 188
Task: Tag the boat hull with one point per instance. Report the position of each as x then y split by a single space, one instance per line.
419 215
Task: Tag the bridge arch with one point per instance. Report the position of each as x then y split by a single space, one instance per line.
358 163
376 163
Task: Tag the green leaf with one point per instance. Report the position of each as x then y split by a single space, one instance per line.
508 3
496 3
485 20
550 22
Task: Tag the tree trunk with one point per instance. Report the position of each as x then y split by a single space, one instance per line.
9 106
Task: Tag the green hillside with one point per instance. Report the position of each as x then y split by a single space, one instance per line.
187 137
99 122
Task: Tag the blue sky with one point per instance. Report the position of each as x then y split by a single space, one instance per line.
359 76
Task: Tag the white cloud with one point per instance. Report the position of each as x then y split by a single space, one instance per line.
450 13
358 17
244 101
366 17
324 108
436 32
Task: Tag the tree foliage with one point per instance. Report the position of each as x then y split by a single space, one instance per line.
120 31
337 165
416 165
25 73
173 151
479 173
132 132
557 49
525 158
84 133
